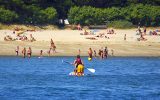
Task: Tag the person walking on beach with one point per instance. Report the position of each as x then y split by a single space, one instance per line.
17 51
90 52
24 52
29 52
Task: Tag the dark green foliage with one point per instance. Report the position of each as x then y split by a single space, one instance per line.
86 12
146 15
88 15
7 16
121 24
39 16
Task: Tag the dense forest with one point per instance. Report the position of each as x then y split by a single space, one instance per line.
85 12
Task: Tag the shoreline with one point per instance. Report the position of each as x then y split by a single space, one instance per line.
128 49
34 56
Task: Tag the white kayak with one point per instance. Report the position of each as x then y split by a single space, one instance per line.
74 74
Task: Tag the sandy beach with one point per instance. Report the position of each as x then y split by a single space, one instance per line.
68 42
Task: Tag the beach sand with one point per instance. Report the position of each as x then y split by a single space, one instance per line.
68 42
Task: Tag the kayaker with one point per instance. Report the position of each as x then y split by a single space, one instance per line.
79 66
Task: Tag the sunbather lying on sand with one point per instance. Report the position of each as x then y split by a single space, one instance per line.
91 38
8 38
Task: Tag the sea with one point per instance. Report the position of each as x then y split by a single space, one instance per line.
47 78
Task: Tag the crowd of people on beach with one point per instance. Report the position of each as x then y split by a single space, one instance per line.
24 52
102 53
93 36
144 33
141 31
19 35
28 52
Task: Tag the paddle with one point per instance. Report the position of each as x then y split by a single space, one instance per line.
89 69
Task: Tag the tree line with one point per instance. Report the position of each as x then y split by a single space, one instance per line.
85 12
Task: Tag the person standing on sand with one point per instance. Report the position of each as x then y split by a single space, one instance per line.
79 27
17 51
49 52
29 52
145 30
41 53
90 52
105 53
100 53
79 52
52 47
95 53
125 37
24 52
112 52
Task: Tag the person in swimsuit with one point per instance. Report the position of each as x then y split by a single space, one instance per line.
95 55
52 47
17 51
145 30
100 53
41 53
29 52
105 53
90 52
79 68
24 52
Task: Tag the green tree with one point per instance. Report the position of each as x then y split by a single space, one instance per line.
48 15
7 16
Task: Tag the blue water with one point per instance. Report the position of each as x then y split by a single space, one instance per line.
119 78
